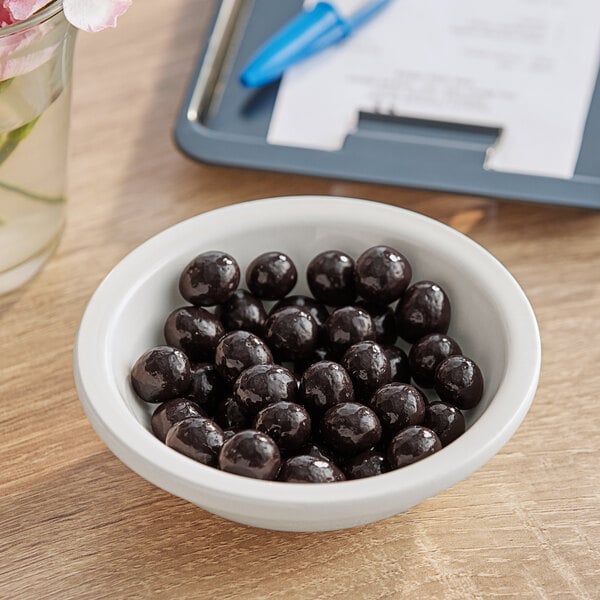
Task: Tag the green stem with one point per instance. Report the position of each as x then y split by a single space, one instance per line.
7 148
33 195
13 138
8 144
5 84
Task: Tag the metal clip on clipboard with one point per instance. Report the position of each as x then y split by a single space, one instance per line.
224 123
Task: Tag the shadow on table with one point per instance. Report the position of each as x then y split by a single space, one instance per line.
99 528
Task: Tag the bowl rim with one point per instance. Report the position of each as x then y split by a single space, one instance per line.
141 451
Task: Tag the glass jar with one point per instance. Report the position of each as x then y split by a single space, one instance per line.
36 59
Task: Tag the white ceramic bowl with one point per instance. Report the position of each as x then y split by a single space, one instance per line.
491 318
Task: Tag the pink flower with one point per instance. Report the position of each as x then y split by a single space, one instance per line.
20 10
94 15
5 17
89 15
19 55
13 67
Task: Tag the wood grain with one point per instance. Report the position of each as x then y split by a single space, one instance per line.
76 523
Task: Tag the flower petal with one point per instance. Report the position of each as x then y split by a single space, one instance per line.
94 15
13 67
23 9
20 41
5 16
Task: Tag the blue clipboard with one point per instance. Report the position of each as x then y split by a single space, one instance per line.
222 122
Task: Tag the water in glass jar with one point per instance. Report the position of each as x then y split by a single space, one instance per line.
33 131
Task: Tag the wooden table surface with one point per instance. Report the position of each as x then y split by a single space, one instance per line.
76 523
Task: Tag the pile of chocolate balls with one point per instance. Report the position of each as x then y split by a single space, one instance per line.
314 389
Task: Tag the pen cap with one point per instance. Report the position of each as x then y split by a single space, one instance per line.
305 34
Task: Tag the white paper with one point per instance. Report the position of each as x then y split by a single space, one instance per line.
527 66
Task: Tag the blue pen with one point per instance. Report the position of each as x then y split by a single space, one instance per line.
306 34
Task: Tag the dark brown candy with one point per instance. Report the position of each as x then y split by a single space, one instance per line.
242 311
350 428
398 405
330 277
209 279
411 445
367 464
291 333
261 385
239 350
251 454
195 331
446 420
171 412
229 415
198 438
325 384
368 367
382 274
427 353
398 363
347 326
310 469
271 276
286 423
317 310
458 381
207 387
160 374
384 321
424 309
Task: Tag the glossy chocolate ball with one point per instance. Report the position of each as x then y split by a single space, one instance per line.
317 310
209 279
347 326
368 367
426 354
242 311
291 333
160 374
229 415
446 420
398 405
324 385
195 331
458 381
411 445
198 438
382 274
330 277
424 309
207 387
309 469
251 454
367 464
171 412
384 321
271 276
350 428
239 350
398 363
261 385
286 423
